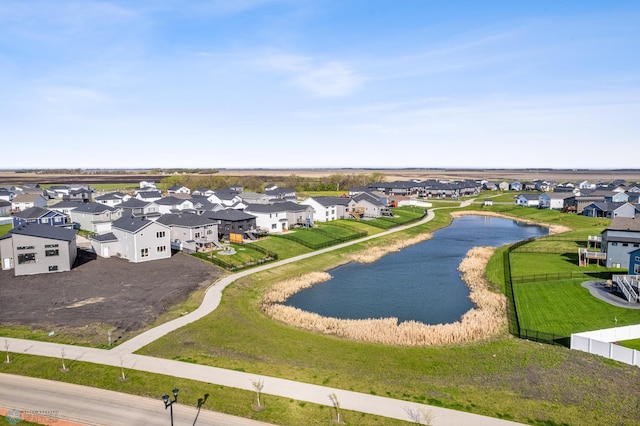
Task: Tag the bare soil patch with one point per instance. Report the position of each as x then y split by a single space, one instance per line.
112 292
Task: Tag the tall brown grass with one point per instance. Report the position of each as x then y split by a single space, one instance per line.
487 319
553 229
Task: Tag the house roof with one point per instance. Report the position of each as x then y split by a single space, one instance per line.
34 213
111 196
149 194
4 203
110 236
625 224
67 204
93 208
286 206
45 231
26 198
530 196
131 224
231 215
366 196
327 201
171 201
133 203
188 220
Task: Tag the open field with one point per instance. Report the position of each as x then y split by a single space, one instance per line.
11 177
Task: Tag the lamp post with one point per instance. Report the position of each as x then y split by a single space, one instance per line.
169 404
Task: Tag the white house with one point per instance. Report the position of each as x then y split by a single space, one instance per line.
527 200
95 217
112 199
172 204
329 208
25 201
279 217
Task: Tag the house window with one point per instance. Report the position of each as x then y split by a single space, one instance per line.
144 252
53 268
625 245
52 252
26 247
26 258
160 234
161 249
197 235
614 244
274 226
45 220
50 245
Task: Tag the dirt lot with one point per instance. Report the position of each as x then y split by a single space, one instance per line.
110 293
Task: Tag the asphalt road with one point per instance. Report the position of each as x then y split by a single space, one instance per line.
51 402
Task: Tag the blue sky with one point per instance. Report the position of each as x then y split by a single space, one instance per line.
306 83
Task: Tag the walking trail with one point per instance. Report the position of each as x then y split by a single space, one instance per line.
123 355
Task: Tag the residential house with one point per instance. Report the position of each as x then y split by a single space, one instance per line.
190 231
329 208
515 186
25 201
619 239
150 196
146 185
5 208
231 221
368 205
105 245
65 207
254 198
202 204
178 189
95 217
601 209
556 200
276 193
227 197
627 210
112 199
203 191
171 204
527 200
280 217
138 208
82 194
6 195
38 249
41 216
140 239
634 262
503 186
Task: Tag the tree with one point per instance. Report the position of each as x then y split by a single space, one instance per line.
258 384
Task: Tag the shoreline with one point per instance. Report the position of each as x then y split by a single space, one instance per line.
487 319
553 229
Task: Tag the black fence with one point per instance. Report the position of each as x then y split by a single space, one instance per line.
323 244
232 267
557 276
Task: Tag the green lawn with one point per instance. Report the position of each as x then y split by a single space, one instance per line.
4 229
631 344
505 377
565 307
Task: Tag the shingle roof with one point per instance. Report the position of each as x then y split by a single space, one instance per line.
229 215
133 203
188 220
625 224
285 206
45 231
327 201
131 224
170 201
32 213
93 208
67 204
104 237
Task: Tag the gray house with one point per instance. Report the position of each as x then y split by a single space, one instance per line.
141 240
38 249
190 231
95 217
619 239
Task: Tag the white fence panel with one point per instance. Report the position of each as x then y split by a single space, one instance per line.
580 343
622 354
599 348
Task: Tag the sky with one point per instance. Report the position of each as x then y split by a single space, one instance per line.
319 84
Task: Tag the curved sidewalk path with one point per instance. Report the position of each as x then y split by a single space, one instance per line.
123 355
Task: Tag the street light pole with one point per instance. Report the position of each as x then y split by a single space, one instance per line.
169 404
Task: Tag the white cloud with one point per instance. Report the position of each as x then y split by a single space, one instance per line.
330 79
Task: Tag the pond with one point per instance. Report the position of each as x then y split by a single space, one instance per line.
420 282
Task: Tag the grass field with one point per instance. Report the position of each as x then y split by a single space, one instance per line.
4 229
505 377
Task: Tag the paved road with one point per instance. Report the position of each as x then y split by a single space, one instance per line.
57 403
366 403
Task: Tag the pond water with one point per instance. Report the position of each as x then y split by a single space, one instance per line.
420 282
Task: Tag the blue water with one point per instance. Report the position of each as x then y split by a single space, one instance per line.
420 282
